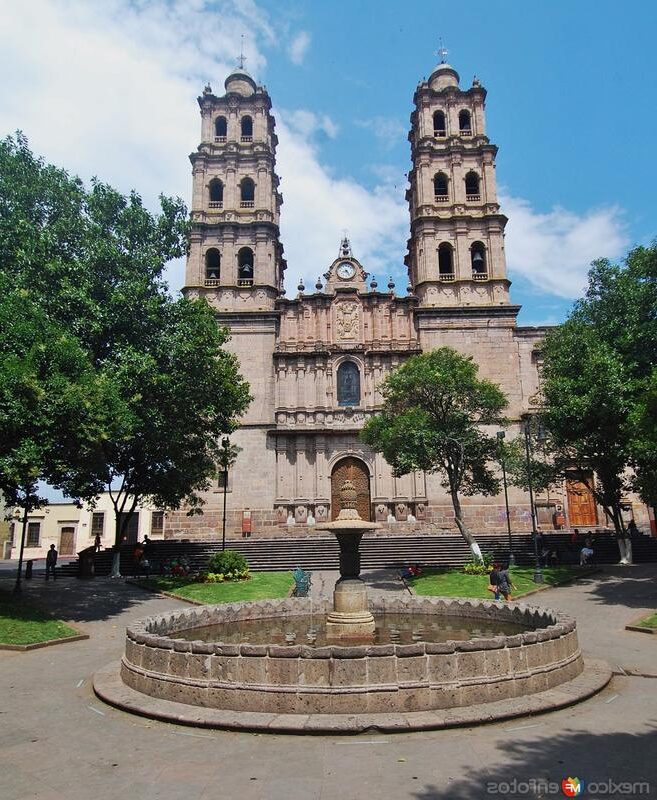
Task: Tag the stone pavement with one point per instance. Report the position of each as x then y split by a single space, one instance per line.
59 742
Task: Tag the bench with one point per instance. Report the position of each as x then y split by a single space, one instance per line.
302 581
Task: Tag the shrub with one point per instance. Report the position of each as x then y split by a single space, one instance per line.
479 567
229 564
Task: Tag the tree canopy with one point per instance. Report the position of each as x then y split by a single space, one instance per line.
600 382
433 412
88 262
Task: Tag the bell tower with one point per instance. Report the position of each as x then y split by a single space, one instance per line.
236 257
456 250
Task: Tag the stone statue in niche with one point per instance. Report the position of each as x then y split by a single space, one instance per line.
348 384
348 318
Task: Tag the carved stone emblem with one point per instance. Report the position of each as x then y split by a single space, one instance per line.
348 320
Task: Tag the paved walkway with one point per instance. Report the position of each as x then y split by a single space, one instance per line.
58 742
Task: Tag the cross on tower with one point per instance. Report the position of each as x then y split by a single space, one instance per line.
442 51
242 57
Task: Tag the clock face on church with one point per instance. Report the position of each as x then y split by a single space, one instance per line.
346 271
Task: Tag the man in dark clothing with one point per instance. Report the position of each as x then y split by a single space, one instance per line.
51 562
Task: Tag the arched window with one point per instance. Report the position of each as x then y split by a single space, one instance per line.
472 186
440 186
220 129
212 264
465 122
348 384
439 127
446 262
478 258
245 267
246 125
247 193
216 193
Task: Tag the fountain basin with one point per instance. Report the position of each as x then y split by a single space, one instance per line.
362 679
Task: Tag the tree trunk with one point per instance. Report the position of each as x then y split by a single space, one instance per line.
116 552
17 586
465 533
624 543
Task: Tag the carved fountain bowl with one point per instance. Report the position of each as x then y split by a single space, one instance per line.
498 651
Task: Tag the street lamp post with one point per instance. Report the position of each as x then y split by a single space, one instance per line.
538 572
225 443
500 438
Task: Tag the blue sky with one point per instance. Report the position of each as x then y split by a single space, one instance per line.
110 89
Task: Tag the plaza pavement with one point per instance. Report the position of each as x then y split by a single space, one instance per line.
59 742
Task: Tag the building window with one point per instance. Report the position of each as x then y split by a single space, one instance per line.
157 523
97 524
220 129
246 125
216 193
478 256
247 193
212 265
441 187
472 192
348 384
245 267
222 480
465 122
446 262
33 534
439 127
12 533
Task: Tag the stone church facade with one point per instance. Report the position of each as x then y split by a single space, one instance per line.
315 362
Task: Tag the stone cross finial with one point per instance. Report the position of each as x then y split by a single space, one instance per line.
242 57
442 51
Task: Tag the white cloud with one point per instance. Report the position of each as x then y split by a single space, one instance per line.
299 47
318 207
554 250
307 123
389 131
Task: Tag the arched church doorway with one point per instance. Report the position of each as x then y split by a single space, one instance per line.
354 470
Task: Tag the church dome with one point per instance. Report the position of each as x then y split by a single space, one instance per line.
240 82
443 76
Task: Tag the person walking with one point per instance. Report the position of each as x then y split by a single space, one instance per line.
97 543
51 562
504 583
494 580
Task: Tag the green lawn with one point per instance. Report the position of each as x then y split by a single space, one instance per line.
648 622
261 586
23 624
452 583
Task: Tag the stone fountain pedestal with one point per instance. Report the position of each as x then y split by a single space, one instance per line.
351 617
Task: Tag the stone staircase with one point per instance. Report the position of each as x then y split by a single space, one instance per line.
443 550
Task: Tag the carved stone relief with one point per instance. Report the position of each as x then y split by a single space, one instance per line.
348 317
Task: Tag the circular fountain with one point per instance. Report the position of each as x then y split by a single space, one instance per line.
302 665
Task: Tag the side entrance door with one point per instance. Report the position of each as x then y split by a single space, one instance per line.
67 541
582 511
354 470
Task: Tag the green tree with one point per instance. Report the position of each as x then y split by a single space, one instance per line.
93 261
433 412
586 406
46 383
